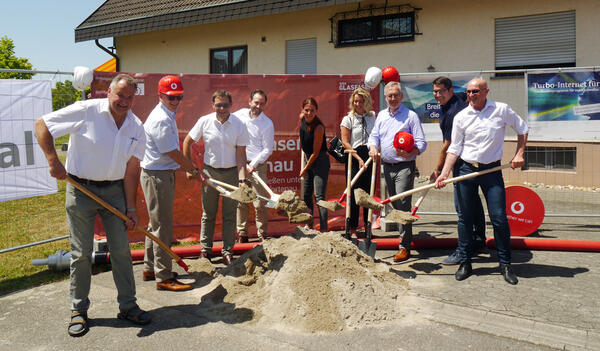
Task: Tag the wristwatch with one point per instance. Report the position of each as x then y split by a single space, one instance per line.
244 181
195 171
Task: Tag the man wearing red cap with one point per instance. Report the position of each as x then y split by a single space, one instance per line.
398 164
161 159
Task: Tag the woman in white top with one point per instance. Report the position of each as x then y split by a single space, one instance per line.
355 129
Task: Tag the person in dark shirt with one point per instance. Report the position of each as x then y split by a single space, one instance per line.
451 103
316 169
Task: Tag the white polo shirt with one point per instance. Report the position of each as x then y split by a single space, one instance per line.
161 137
220 139
261 135
478 136
98 150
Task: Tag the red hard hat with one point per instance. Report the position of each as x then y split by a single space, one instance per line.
404 141
390 74
170 85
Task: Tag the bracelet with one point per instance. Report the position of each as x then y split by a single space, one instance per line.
131 209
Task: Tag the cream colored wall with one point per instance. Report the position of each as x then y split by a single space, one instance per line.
457 36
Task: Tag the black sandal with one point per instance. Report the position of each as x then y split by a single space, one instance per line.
135 315
79 324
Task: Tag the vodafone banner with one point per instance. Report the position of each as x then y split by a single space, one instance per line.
23 166
524 210
284 97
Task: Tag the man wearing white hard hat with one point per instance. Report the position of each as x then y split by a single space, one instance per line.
398 164
106 145
161 159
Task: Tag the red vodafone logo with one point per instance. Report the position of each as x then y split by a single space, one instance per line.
524 210
174 86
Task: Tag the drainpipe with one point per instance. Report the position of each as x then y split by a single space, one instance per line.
118 69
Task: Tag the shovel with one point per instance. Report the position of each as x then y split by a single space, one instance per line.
349 194
273 198
117 213
234 192
363 199
367 246
334 205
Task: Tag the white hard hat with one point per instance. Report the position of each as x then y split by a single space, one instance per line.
372 77
82 77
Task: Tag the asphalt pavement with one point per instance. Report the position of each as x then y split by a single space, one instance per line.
554 306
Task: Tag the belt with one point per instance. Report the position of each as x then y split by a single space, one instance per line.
397 163
483 165
94 182
221 169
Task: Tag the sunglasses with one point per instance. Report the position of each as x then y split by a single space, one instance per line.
221 105
474 91
174 97
441 91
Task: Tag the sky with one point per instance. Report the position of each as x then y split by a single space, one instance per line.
43 31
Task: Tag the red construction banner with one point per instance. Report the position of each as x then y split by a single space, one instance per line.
285 94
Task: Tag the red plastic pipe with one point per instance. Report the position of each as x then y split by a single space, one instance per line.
428 243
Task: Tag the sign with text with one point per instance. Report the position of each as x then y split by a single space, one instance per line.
285 94
564 105
23 167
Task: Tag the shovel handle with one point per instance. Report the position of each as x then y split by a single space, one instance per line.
263 184
125 218
447 181
418 203
355 179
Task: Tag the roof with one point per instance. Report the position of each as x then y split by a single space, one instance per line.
125 17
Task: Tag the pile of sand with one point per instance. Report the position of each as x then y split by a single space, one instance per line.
294 207
308 282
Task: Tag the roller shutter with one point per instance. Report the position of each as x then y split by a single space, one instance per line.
301 56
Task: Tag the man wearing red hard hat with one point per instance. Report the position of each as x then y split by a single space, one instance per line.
399 137
161 159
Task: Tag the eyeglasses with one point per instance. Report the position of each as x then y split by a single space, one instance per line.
393 96
474 91
440 91
221 105
174 97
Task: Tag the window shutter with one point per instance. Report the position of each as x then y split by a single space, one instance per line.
301 56
535 40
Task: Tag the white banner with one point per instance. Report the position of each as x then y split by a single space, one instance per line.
23 166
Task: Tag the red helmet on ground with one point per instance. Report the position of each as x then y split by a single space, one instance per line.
170 85
404 141
390 74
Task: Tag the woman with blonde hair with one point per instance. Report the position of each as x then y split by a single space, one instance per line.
355 129
316 169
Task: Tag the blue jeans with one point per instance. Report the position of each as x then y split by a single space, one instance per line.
492 186
478 214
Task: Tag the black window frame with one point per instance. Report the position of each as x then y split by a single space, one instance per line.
229 50
551 158
376 30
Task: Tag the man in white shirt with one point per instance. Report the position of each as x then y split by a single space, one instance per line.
262 140
225 138
161 159
106 145
477 138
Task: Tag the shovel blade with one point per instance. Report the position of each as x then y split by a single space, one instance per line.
369 248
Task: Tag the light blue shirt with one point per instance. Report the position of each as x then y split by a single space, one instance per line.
388 124
161 137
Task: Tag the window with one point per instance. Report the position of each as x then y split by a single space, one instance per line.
233 60
301 56
374 25
538 41
380 29
540 157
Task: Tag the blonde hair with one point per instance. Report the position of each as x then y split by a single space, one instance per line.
366 96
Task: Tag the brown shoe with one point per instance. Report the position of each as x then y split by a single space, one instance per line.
172 285
402 255
148 275
227 259
242 239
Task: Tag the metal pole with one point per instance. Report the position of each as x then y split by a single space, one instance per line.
33 244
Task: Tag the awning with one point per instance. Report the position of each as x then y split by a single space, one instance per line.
108 66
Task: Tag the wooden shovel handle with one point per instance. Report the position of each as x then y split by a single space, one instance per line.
125 218
355 179
447 181
263 184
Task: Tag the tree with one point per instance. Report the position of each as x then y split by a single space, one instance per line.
64 94
10 61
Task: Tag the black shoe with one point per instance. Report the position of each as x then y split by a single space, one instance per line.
464 271
508 274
